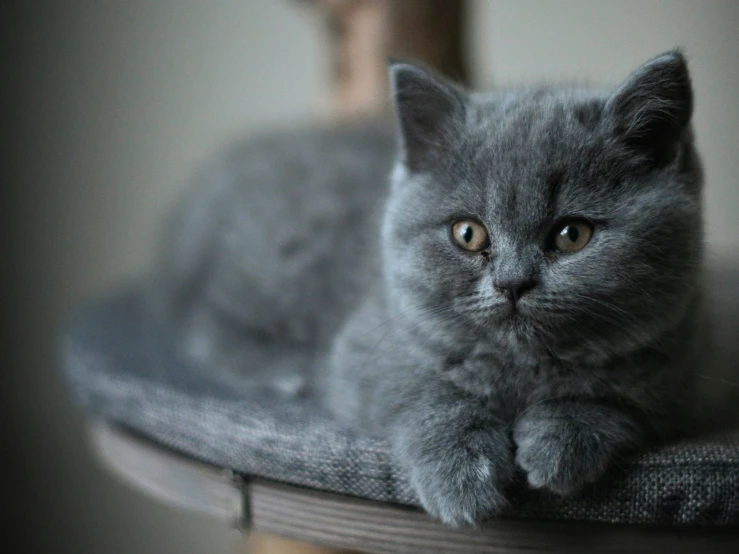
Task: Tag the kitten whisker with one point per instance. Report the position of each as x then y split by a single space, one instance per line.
717 379
399 314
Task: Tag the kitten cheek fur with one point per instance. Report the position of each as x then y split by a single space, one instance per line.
599 361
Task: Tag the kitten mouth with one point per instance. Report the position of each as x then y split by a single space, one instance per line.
514 317
512 310
511 317
504 315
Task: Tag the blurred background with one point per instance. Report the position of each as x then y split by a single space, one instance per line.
110 106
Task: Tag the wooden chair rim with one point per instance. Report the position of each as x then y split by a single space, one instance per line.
352 523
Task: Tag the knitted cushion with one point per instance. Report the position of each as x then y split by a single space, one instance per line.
120 366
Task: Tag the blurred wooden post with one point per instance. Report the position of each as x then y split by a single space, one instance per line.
365 32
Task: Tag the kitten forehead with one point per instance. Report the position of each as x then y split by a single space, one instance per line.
486 108
523 146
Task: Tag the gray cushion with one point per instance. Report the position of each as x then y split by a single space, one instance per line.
120 366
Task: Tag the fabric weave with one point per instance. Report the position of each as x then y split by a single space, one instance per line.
120 367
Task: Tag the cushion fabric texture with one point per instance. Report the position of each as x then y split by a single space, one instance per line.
120 366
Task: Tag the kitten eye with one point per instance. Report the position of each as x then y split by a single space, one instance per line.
470 235
572 236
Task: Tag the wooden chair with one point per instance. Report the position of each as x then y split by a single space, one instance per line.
288 519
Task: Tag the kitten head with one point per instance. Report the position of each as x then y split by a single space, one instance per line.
562 217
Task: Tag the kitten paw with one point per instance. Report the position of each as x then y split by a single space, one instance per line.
560 452
464 484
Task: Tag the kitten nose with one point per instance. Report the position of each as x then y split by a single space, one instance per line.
513 290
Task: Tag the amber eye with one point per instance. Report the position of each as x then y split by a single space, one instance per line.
470 235
572 236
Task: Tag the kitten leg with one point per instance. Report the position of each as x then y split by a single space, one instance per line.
563 444
460 458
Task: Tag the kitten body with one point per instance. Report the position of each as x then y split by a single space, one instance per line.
299 265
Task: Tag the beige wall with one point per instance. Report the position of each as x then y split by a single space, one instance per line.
599 41
120 100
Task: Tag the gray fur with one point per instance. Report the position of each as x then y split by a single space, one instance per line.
301 265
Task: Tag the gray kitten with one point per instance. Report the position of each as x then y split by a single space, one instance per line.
522 292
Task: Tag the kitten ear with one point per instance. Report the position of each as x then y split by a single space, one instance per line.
652 108
427 109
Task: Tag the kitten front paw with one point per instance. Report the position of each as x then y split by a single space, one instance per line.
463 483
560 448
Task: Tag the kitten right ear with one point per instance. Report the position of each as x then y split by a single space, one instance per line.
653 107
427 109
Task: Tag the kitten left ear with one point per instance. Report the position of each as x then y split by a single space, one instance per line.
427 108
652 108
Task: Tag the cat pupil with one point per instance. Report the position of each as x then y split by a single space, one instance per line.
572 233
467 233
